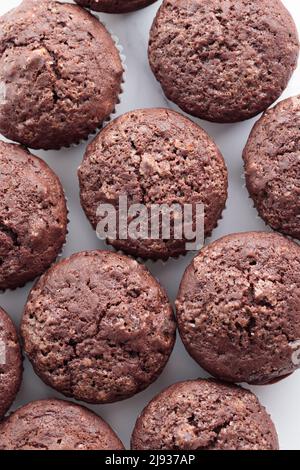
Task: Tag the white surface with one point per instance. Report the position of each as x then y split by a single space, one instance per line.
142 90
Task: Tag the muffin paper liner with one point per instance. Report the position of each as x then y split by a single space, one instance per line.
60 254
124 76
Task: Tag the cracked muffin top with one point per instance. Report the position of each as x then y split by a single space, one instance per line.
115 6
10 363
272 166
56 425
60 74
98 327
238 307
204 415
33 216
154 157
223 60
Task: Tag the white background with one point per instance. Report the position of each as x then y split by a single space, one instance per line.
142 90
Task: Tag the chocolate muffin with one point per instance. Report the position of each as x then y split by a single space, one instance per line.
238 308
56 425
98 327
115 6
204 415
33 216
154 157
60 74
272 166
223 61
10 363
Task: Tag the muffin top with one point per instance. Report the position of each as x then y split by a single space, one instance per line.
98 327
223 61
238 307
10 363
114 6
154 157
33 216
56 425
272 166
60 74
204 415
